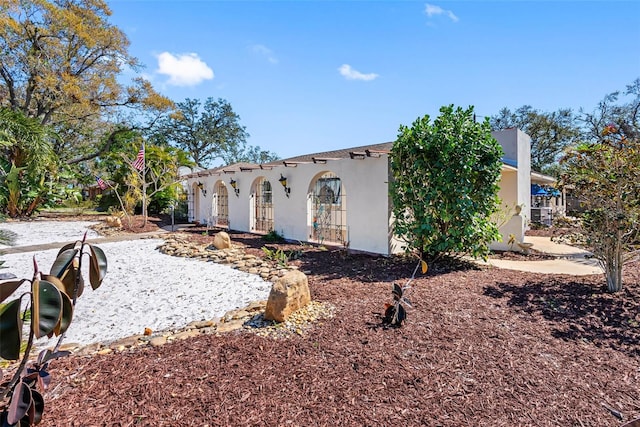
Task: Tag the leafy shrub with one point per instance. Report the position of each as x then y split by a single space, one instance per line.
273 237
50 304
280 256
445 185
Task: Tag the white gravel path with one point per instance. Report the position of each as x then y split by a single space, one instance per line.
142 288
38 232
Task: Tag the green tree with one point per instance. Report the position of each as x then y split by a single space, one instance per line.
211 131
62 63
550 132
157 183
445 184
605 176
603 171
28 165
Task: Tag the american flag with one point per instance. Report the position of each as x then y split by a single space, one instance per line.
139 162
103 185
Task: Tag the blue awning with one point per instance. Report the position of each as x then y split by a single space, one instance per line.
537 190
554 192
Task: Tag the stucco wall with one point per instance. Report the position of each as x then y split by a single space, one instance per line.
364 183
517 153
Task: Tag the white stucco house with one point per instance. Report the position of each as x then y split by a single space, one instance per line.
336 197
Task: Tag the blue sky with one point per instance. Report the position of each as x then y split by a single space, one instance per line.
310 76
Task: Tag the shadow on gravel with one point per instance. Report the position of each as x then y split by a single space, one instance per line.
580 311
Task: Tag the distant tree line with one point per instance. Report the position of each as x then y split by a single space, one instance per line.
554 132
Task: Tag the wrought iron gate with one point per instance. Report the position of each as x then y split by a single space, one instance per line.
328 214
262 201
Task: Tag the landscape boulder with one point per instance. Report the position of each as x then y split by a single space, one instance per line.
288 294
222 240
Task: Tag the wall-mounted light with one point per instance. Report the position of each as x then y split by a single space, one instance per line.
283 181
234 184
201 187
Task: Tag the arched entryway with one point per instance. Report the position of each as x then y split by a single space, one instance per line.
220 206
261 206
327 210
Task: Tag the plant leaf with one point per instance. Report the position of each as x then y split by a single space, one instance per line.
38 405
98 266
7 288
69 280
44 379
401 315
46 356
66 248
425 267
62 262
47 307
10 330
20 402
397 291
66 316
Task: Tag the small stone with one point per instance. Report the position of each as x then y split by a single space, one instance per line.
209 330
256 305
222 240
157 341
69 346
125 343
199 324
186 334
89 349
239 314
233 325
105 350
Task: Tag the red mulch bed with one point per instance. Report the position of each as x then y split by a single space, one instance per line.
482 347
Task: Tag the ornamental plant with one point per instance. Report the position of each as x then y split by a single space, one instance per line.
48 308
395 313
445 185
605 176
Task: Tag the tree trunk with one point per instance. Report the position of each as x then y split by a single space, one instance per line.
613 268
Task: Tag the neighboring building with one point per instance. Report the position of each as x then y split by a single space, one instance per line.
547 201
337 197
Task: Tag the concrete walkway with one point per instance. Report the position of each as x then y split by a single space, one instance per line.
569 259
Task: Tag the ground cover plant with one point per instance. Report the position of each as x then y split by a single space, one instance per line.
481 347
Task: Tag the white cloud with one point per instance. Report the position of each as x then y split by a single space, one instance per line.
351 74
265 52
186 69
433 10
